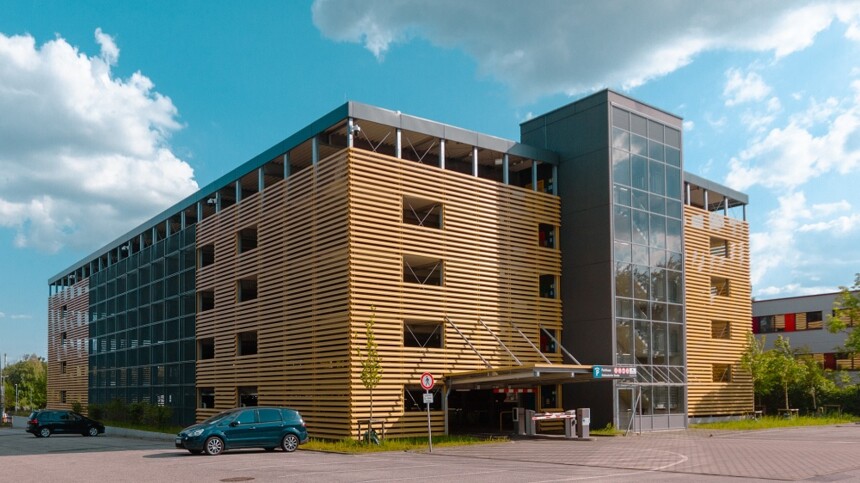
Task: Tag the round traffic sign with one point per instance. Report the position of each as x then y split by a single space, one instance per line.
427 381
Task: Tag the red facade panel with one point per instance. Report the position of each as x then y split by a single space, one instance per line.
789 323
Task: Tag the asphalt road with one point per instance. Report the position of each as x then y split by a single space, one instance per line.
829 453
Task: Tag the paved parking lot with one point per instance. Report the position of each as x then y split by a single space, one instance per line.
829 453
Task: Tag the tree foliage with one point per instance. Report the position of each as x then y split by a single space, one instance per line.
785 367
371 369
846 316
31 375
755 362
815 381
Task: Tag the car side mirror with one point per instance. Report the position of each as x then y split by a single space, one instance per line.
233 424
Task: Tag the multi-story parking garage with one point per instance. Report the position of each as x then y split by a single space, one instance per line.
506 269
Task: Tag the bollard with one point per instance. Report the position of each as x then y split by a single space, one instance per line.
569 427
530 423
521 421
583 415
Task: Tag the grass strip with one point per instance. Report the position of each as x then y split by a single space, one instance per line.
395 444
771 422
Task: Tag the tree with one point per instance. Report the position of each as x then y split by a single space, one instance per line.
31 375
754 361
371 370
785 367
846 318
814 381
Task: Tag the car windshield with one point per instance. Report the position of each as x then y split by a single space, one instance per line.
218 417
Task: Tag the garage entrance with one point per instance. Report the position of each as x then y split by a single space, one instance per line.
486 401
486 410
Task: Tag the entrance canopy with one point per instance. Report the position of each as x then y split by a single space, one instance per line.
528 375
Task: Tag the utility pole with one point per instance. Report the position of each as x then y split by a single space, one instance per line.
3 386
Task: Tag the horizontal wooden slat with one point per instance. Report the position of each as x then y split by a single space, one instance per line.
331 246
705 397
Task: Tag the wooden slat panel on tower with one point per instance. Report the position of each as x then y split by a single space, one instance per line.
705 397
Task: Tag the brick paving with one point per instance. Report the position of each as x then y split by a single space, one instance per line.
826 453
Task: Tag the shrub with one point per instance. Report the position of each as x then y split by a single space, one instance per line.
77 407
142 413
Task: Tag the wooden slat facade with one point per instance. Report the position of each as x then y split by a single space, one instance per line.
68 311
331 246
705 397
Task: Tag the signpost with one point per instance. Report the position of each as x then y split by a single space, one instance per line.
613 372
427 384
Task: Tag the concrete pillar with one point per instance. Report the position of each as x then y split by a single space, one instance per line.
474 160
506 165
442 153
398 143
315 150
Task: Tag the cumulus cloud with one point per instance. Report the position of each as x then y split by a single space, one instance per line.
780 246
551 48
742 88
790 156
83 155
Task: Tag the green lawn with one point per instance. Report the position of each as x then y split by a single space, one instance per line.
395 444
770 422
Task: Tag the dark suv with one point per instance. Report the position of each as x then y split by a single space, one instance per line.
250 427
45 422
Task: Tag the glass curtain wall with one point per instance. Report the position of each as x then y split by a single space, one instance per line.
141 329
649 302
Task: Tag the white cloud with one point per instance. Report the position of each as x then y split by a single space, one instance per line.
689 125
740 89
792 290
793 155
21 316
84 155
548 49
779 248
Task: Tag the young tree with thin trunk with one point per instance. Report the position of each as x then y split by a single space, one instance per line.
754 361
786 368
371 370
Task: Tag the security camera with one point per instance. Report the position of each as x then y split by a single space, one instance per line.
356 129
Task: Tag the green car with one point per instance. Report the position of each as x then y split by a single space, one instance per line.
249 427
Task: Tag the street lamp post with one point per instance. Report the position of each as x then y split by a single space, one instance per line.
16 397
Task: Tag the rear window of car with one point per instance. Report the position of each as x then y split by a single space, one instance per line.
269 415
290 414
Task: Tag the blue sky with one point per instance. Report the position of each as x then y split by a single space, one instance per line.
112 111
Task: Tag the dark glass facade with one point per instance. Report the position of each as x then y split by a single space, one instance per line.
141 327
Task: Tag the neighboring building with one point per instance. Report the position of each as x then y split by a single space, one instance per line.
803 321
475 256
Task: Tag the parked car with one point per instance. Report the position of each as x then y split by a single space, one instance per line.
248 427
45 422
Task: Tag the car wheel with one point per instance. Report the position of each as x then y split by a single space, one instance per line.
44 432
290 443
195 451
93 431
214 446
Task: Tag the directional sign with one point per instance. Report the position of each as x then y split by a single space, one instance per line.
613 372
427 381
